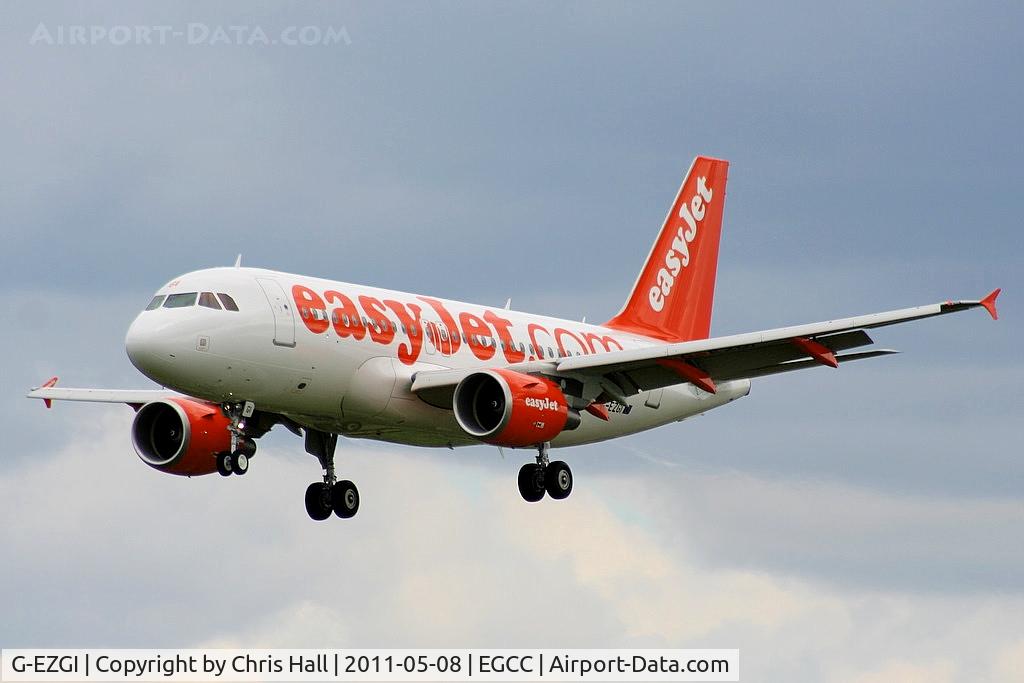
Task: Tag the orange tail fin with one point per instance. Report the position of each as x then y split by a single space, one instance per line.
673 296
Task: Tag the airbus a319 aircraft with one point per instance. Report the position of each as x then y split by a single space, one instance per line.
241 350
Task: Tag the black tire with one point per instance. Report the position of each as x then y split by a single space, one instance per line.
224 464
558 480
239 463
531 482
318 501
247 446
345 499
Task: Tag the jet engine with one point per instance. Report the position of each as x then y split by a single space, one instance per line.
508 408
181 436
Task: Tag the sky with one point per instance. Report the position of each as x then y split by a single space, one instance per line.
850 525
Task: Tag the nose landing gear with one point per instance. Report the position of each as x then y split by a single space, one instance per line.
553 478
243 447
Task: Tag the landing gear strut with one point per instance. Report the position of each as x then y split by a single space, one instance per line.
329 495
544 476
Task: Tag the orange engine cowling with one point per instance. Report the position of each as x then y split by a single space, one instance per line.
181 436
508 408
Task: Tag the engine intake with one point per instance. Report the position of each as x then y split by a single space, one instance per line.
508 408
181 436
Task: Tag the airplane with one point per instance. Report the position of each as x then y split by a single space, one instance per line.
240 350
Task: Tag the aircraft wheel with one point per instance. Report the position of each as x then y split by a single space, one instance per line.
239 462
345 499
247 446
531 482
318 501
224 464
558 480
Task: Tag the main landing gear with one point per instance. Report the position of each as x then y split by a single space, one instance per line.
329 495
553 478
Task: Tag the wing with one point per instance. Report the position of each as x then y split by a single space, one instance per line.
49 392
704 362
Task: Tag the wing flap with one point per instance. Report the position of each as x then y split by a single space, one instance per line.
803 364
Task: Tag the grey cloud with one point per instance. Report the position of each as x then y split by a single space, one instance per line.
534 136
441 555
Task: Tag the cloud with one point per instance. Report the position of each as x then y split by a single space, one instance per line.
907 672
443 552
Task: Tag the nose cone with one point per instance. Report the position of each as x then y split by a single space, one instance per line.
150 348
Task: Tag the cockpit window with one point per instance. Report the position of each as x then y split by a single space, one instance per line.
155 303
228 302
208 300
181 300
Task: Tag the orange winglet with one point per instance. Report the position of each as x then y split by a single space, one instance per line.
989 302
818 352
691 374
598 410
48 383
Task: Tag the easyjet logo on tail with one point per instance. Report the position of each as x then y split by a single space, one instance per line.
677 256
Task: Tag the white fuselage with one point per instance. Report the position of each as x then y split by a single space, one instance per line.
341 357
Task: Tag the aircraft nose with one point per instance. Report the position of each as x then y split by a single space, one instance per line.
147 347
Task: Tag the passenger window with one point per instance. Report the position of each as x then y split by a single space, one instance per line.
155 303
229 303
208 300
181 300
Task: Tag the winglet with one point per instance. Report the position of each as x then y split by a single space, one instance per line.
47 384
989 302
